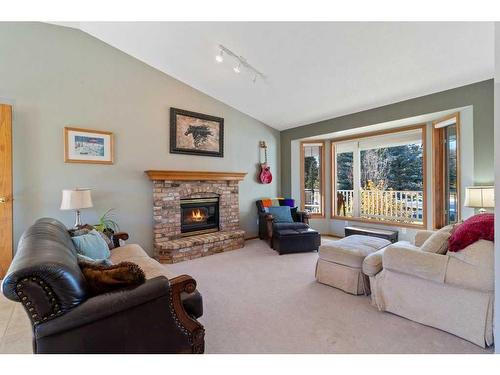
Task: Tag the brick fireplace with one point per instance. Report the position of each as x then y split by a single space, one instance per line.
195 214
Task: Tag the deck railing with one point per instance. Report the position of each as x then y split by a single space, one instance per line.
385 205
312 200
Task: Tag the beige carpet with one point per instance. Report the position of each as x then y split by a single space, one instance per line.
259 302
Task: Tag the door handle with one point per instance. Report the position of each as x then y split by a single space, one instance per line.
3 199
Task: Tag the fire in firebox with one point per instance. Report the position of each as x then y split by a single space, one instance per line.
199 215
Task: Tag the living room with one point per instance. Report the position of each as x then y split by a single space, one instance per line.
231 189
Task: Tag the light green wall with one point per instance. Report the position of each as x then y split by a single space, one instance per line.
55 77
479 95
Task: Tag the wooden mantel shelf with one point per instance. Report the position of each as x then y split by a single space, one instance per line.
195 176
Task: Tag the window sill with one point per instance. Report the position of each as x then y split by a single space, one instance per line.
317 216
386 223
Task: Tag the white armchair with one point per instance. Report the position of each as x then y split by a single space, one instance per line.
452 292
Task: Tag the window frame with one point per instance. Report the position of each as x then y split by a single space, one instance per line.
322 144
333 188
438 177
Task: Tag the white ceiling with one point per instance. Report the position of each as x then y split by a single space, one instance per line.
315 70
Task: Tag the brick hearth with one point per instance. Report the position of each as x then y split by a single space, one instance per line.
169 187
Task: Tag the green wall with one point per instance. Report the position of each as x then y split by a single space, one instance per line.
479 95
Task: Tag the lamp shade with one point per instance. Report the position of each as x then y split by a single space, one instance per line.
76 199
480 196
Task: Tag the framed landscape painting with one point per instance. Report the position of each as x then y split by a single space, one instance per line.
196 134
88 146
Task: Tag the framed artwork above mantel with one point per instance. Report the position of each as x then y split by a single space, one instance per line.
193 133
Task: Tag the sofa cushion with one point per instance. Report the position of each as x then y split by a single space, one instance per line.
136 254
282 226
123 253
437 243
352 250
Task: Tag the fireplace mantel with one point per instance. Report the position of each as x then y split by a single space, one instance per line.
195 175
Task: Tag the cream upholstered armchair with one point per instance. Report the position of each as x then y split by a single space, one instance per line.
452 292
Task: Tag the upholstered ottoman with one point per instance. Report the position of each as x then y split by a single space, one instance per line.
340 262
291 238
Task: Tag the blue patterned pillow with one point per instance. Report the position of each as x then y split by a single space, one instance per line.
91 245
281 214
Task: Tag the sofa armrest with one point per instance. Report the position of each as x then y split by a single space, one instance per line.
473 267
421 236
428 266
269 219
116 237
372 264
303 216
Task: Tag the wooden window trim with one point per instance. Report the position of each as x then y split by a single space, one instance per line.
322 177
423 128
438 171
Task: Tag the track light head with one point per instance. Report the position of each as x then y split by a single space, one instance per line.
240 62
219 58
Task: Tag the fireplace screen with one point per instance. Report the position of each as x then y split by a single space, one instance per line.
199 215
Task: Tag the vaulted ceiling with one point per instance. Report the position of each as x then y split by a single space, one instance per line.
315 70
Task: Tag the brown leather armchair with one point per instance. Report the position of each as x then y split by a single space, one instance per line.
288 237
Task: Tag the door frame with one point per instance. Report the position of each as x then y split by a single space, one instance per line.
439 170
7 184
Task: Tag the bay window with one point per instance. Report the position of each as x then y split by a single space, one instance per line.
380 177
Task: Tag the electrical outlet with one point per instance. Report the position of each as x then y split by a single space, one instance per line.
346 223
403 230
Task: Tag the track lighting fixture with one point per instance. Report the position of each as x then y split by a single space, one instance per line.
241 62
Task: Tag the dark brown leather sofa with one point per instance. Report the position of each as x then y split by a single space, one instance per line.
158 316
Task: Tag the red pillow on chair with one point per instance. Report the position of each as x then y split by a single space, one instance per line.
475 228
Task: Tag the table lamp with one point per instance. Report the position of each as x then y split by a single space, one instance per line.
481 197
76 199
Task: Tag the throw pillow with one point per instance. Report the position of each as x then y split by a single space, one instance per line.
475 228
266 202
438 242
275 202
82 258
91 245
108 241
103 279
287 202
281 214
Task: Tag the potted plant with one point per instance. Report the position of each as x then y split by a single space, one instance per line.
107 223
